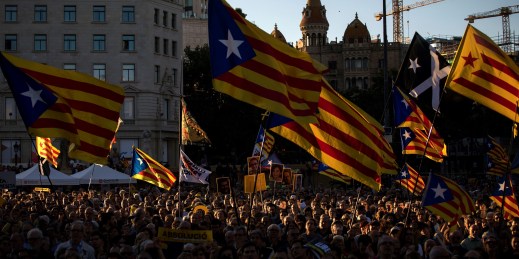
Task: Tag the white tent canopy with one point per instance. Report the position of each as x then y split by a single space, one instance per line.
32 176
100 174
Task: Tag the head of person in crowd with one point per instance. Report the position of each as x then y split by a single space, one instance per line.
490 244
439 252
248 251
274 233
386 247
300 251
472 254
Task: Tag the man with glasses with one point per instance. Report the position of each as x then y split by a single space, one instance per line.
76 242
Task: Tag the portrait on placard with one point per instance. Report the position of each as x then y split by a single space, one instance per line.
223 185
276 173
253 163
298 182
287 176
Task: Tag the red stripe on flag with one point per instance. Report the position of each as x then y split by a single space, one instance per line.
74 85
259 90
483 91
500 66
274 74
497 81
489 45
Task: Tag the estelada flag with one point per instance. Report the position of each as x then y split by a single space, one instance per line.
56 103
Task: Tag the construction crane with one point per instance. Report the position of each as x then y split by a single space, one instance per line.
505 13
398 19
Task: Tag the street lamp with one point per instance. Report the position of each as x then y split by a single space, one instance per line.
16 148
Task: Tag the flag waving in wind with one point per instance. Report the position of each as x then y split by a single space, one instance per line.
415 129
422 72
484 73
411 180
497 160
47 150
192 133
264 144
505 191
347 139
190 172
446 198
147 169
254 67
65 104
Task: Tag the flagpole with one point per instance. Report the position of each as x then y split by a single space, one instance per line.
263 119
91 175
507 171
356 204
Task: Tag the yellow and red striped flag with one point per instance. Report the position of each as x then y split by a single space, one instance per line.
410 179
147 169
347 139
484 73
506 191
254 67
414 143
446 198
327 171
55 103
47 150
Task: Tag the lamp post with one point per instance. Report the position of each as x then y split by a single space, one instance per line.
16 148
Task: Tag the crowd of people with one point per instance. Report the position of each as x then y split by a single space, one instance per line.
314 222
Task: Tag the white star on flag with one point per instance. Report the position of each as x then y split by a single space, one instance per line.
438 191
34 95
140 160
232 45
414 64
502 186
404 174
406 134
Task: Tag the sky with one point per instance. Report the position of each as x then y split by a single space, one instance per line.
444 18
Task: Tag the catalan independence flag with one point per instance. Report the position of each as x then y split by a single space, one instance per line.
484 73
147 169
410 179
264 144
55 103
254 67
327 171
347 139
497 161
414 143
46 150
505 191
446 198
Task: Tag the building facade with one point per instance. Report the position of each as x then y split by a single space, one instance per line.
354 62
194 23
135 44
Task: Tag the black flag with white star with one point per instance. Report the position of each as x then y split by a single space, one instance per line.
423 73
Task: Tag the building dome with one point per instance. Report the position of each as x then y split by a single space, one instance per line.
357 31
314 13
277 34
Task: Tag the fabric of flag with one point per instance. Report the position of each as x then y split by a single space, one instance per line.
190 172
347 139
414 143
505 191
497 160
192 133
484 73
408 114
410 179
147 169
327 171
266 140
446 198
254 67
423 72
46 150
65 104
